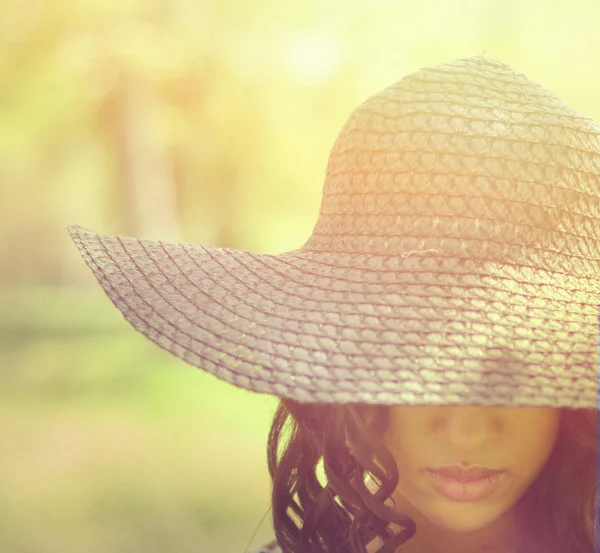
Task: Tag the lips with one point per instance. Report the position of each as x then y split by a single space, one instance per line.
465 475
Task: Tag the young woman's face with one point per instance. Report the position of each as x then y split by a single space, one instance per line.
515 440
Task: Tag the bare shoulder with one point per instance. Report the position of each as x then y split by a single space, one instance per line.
271 547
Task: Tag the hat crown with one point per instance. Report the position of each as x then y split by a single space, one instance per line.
469 159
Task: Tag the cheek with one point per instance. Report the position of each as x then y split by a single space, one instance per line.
537 440
404 443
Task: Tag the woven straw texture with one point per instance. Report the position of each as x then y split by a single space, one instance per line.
455 260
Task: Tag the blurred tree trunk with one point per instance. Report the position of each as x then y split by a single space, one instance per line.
144 170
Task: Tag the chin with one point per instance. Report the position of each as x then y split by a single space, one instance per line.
462 525
463 519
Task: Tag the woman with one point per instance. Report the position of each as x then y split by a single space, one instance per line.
434 342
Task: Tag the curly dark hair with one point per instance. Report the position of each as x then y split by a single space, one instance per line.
309 517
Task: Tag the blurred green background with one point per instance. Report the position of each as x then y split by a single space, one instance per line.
204 122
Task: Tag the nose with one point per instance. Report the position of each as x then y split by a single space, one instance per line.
467 427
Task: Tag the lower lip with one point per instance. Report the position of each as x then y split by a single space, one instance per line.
475 490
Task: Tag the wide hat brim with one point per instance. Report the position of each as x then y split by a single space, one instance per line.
330 327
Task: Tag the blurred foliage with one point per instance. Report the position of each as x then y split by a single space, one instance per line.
201 121
108 444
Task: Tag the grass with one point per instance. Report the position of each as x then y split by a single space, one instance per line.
107 443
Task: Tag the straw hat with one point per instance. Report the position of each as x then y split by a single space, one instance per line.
455 260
